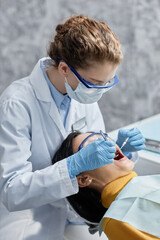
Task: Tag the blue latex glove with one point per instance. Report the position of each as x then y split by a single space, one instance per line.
96 154
136 141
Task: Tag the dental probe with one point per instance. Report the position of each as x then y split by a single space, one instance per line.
103 135
124 143
126 140
105 138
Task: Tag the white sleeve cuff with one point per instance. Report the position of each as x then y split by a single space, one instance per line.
71 184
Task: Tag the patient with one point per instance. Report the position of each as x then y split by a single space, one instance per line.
98 188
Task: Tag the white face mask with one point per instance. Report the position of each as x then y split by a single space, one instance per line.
83 94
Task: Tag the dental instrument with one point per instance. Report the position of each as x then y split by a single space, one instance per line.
124 143
126 140
105 138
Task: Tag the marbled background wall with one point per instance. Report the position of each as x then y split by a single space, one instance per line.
27 25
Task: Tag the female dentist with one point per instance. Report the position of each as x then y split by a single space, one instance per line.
38 112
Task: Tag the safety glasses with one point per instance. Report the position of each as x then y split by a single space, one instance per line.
96 133
109 84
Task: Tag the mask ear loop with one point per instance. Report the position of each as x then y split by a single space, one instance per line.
67 81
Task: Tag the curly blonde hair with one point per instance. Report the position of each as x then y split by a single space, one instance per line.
81 41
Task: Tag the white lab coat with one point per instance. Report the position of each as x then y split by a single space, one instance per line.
32 190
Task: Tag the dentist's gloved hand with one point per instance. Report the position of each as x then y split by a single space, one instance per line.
96 154
136 141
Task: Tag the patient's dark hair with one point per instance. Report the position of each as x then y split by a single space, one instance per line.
87 202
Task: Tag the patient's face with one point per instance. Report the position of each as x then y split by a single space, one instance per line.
118 168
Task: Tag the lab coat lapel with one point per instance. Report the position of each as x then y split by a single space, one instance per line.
54 114
43 94
71 118
76 115
39 84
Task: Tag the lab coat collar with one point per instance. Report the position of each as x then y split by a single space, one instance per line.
39 83
58 97
43 94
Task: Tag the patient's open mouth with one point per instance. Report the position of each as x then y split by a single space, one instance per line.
118 155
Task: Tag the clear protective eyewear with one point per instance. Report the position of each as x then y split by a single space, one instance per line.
92 134
102 135
108 84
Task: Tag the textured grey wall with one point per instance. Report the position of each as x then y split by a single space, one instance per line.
26 27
